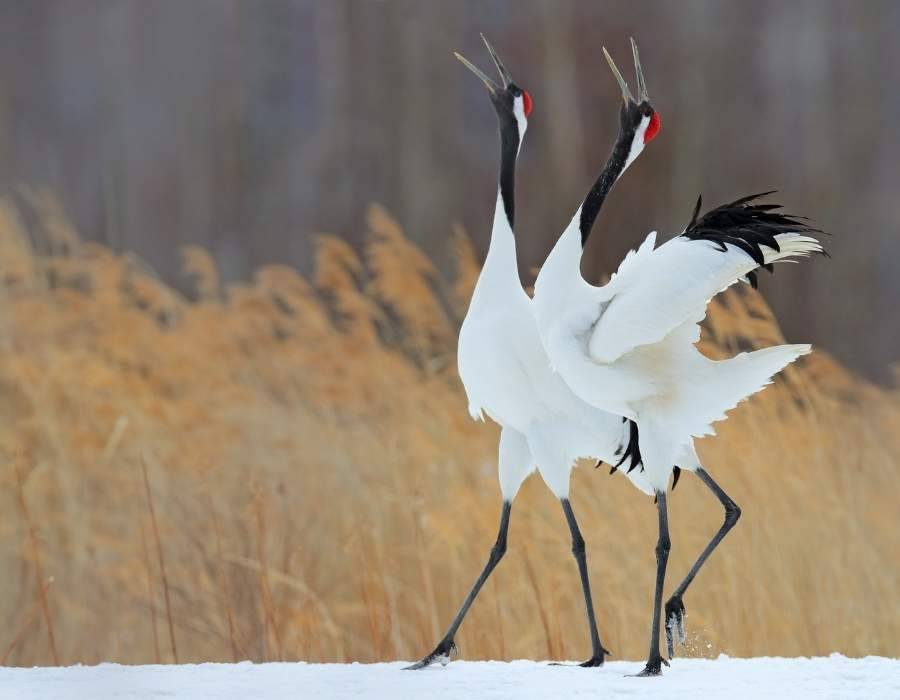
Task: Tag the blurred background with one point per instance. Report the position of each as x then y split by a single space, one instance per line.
236 243
245 127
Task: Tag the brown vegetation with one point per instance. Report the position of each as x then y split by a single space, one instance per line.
285 469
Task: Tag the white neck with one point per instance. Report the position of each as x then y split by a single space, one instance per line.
562 268
500 274
503 242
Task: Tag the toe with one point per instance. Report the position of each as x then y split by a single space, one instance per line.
441 654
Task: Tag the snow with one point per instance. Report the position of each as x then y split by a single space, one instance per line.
824 678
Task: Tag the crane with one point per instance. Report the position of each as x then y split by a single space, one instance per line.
507 376
628 347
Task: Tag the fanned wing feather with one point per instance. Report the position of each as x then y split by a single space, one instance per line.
656 291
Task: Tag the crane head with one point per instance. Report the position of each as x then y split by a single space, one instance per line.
512 103
639 121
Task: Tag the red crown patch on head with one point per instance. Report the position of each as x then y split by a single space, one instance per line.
652 128
526 102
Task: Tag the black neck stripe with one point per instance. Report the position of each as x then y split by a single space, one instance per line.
597 195
509 151
629 117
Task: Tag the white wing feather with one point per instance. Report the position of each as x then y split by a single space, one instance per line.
656 291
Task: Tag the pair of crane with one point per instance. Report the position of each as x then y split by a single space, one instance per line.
612 372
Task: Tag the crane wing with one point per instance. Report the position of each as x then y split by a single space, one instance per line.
657 290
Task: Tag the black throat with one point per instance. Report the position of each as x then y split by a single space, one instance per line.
509 151
590 208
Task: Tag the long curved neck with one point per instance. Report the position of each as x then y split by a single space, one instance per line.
563 266
615 166
628 146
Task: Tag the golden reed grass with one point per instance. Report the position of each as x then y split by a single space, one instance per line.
285 469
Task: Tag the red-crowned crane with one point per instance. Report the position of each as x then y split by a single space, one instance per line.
628 347
507 375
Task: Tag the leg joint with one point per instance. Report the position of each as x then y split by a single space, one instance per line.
577 545
498 550
732 513
663 546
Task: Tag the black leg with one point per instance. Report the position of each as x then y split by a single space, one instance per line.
444 648
675 604
578 551
663 544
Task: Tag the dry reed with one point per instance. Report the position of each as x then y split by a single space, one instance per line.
322 493
162 567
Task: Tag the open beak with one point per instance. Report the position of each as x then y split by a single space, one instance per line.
626 93
490 84
504 74
641 85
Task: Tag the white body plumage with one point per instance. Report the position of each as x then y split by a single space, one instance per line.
629 347
507 376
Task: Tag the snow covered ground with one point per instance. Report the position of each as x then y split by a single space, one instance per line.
835 677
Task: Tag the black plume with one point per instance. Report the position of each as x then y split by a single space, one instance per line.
745 225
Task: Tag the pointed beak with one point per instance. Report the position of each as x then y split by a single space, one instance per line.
626 93
505 77
490 84
641 85
504 74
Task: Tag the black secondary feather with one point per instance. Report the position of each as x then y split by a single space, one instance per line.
747 225
629 451
632 450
